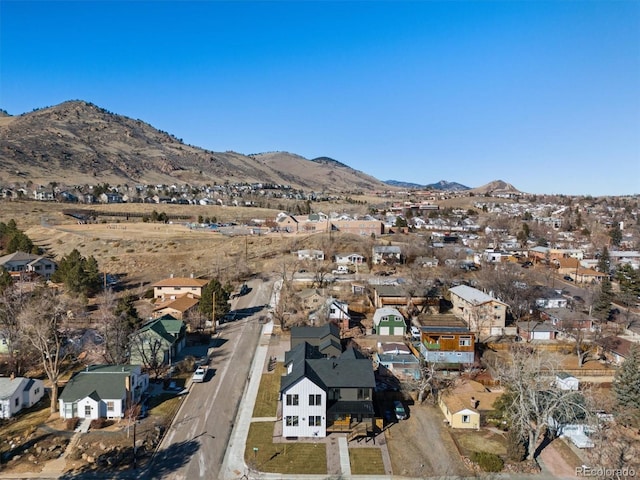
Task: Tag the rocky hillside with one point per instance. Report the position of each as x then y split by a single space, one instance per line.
77 143
497 187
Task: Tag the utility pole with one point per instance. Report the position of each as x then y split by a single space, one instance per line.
213 312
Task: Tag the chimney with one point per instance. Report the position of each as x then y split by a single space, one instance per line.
12 376
474 402
191 275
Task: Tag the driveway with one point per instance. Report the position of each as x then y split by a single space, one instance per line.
421 446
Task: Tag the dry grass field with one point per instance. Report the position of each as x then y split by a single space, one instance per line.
143 252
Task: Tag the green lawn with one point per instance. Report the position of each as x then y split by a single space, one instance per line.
286 458
267 398
164 404
366 461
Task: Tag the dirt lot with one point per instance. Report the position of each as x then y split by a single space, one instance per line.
421 446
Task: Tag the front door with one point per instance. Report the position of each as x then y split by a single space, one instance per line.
87 411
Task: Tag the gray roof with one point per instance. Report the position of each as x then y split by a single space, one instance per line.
444 329
385 312
349 370
473 295
316 332
106 382
8 386
387 249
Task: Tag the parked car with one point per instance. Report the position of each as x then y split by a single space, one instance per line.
199 375
568 278
399 410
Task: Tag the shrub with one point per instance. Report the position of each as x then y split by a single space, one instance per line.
187 365
516 450
488 462
100 423
70 424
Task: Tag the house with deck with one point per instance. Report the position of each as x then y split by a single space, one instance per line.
322 395
447 343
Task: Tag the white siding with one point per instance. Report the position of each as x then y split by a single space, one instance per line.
304 411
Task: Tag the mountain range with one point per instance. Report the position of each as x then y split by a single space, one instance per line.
77 142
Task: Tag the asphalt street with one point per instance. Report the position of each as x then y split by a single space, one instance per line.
195 444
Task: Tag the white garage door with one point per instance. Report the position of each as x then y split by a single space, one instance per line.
384 331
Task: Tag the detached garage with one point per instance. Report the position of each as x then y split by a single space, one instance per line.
389 321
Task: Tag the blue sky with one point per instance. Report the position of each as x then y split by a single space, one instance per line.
544 95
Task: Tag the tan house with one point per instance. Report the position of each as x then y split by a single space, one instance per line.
359 227
466 405
483 314
588 275
179 308
175 287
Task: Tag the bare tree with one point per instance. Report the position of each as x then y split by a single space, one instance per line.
533 404
574 329
432 382
42 322
149 350
12 301
615 447
507 282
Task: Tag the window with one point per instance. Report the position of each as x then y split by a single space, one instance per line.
291 421
363 394
465 341
315 421
315 399
110 406
466 419
36 391
177 288
17 401
292 399
448 337
87 410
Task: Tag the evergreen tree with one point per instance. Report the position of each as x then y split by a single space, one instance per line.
602 305
221 296
616 235
604 262
626 389
5 279
79 275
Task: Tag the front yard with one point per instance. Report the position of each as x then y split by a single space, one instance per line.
483 440
287 458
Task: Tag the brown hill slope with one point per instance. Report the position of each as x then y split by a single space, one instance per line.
77 142
495 187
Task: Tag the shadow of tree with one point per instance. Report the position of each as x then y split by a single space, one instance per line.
164 463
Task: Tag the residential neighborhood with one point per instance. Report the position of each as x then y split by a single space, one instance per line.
355 336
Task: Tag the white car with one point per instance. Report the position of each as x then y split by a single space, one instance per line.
199 375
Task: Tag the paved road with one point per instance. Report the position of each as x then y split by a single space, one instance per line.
195 444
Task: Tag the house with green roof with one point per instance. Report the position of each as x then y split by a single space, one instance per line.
102 391
157 342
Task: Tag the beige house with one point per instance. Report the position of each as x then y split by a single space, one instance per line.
179 308
175 287
466 404
484 314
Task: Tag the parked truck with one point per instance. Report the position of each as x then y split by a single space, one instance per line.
341 270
